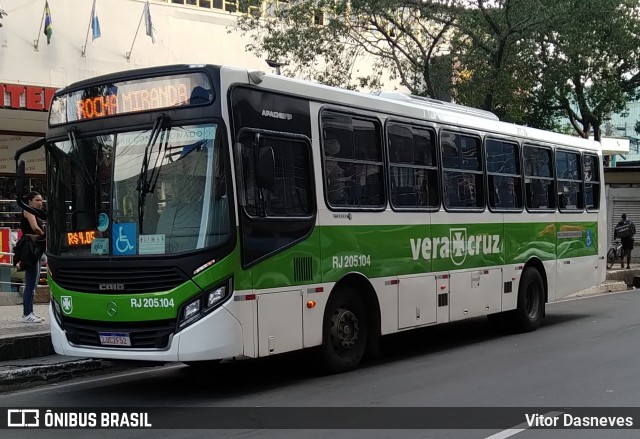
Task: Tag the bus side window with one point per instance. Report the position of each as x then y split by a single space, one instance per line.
292 191
592 182
539 177
462 171
413 170
504 177
335 175
570 185
352 161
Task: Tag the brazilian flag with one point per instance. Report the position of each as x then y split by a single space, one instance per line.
48 24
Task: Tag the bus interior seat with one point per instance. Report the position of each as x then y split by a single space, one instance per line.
180 219
405 196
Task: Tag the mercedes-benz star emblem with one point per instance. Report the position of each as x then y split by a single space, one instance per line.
112 309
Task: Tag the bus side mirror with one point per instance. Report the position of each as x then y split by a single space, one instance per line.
266 168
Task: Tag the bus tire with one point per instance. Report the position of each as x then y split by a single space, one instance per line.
527 316
344 331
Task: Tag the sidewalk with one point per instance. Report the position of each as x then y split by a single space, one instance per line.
27 356
23 340
26 353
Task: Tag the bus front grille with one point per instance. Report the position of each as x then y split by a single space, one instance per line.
108 280
143 335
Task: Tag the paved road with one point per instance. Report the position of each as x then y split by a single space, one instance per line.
585 355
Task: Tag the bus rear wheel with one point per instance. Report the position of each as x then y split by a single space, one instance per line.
345 332
527 316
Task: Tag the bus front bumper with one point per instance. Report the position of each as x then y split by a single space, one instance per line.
216 336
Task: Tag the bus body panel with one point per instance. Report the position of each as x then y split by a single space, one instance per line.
417 301
186 345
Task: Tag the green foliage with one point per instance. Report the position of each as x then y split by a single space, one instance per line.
491 47
528 61
587 60
321 40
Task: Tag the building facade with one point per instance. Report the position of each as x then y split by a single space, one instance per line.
624 125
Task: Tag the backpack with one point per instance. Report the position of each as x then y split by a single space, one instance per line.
625 230
27 251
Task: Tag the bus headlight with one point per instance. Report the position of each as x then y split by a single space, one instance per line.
203 304
190 313
214 297
191 309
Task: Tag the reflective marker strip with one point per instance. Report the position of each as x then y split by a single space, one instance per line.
315 290
392 282
245 297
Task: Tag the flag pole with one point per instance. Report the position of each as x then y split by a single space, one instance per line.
37 42
84 48
128 54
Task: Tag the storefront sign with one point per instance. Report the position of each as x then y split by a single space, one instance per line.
25 97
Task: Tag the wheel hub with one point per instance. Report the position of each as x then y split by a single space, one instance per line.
344 328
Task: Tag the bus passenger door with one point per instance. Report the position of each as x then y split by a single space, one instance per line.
577 264
279 322
416 301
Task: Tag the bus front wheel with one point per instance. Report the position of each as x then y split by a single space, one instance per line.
345 331
530 309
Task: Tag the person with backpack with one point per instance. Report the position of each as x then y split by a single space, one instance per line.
625 230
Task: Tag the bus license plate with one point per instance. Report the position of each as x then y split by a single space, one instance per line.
114 339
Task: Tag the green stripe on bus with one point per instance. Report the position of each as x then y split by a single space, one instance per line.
375 251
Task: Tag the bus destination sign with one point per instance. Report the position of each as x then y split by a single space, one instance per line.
131 96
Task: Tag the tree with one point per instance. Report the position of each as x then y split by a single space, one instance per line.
587 60
321 40
491 43
528 61
426 44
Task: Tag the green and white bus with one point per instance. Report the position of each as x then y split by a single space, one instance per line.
200 212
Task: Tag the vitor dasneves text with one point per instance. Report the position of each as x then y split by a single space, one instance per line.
569 420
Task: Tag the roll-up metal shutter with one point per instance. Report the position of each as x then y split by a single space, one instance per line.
630 207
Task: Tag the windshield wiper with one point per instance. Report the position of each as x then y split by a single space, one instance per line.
146 183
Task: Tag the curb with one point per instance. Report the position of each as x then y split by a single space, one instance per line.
26 346
15 375
608 286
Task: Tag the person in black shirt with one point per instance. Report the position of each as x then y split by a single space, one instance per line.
31 225
627 241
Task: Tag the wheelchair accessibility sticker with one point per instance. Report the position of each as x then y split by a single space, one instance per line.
124 239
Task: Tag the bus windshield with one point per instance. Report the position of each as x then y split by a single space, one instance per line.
149 192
